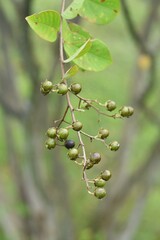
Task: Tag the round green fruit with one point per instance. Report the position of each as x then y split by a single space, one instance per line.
114 146
62 88
106 175
51 132
126 111
62 133
95 158
77 126
99 182
103 133
73 153
46 87
100 193
76 88
110 105
50 143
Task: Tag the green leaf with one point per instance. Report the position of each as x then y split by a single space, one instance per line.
71 72
73 9
46 24
80 52
98 56
100 11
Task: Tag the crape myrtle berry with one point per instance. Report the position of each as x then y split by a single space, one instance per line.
73 153
99 182
103 133
114 146
50 143
110 105
51 132
62 88
76 88
95 158
106 175
100 193
62 133
77 126
69 144
46 87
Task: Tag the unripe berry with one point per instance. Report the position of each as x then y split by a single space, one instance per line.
99 182
69 144
106 175
50 143
62 133
46 87
103 133
76 88
77 126
126 111
110 105
89 164
51 132
62 88
73 153
95 158
114 146
100 193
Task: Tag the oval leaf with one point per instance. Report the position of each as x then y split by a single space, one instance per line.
46 24
80 52
100 11
98 56
73 9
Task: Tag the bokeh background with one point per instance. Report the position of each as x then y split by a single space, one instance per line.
42 195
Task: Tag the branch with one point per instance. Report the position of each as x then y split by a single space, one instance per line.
132 28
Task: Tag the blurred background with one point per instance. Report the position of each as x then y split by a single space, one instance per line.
42 195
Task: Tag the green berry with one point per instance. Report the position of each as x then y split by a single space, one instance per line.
99 182
62 133
110 105
50 143
89 164
76 88
73 153
114 146
77 126
95 158
69 144
100 193
103 133
126 111
46 87
131 111
62 88
51 132
106 175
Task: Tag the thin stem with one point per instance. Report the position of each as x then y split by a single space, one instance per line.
69 101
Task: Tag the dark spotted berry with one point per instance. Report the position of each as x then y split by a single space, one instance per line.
69 144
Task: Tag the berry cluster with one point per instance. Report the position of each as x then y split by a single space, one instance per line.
59 136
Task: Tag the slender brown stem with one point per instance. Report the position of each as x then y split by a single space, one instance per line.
70 106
